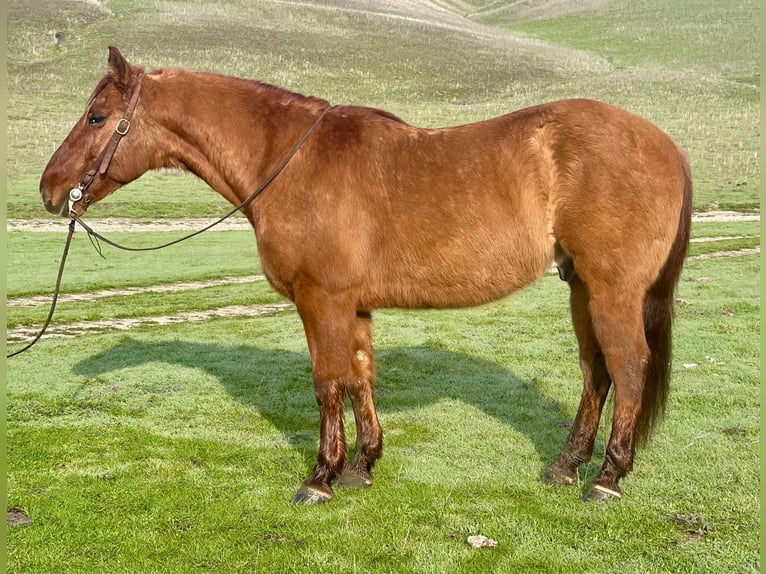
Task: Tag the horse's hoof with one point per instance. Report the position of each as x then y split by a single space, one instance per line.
352 479
312 495
559 475
601 494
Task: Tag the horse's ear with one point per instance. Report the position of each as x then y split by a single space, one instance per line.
120 69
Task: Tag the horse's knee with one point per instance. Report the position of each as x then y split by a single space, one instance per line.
330 392
363 364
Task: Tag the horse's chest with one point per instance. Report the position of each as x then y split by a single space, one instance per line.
278 272
277 259
287 259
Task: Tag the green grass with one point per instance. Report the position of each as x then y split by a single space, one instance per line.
148 304
700 51
677 35
178 449
724 229
724 245
211 255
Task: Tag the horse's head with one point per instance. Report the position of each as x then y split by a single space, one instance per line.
80 160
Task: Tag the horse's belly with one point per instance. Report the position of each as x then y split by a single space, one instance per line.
466 281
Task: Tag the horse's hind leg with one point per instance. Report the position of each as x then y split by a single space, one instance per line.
619 327
596 382
369 436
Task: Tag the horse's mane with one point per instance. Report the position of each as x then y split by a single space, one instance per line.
284 93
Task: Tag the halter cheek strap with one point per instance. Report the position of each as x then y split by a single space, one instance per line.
80 193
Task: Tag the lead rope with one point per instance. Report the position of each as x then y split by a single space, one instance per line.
55 294
93 234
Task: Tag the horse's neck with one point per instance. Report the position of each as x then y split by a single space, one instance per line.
229 132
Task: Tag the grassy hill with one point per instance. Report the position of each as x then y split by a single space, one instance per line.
690 66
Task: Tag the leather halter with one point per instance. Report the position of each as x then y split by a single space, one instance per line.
101 165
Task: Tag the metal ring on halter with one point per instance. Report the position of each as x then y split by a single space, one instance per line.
75 197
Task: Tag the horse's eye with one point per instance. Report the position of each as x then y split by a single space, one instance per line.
95 120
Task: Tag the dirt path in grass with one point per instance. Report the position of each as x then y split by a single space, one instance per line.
164 288
24 334
37 300
722 254
119 225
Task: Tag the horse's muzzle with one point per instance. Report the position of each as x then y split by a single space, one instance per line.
61 209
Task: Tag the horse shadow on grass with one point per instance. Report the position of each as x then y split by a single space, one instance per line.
277 384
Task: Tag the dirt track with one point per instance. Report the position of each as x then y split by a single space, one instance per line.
115 224
23 334
101 293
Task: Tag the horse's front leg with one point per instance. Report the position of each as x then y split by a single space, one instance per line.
329 322
369 436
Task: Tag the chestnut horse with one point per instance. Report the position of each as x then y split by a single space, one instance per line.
372 212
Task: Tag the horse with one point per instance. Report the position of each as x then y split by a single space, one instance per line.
371 212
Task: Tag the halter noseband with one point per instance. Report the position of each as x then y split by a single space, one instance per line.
80 193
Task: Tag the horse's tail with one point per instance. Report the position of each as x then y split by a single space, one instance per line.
658 321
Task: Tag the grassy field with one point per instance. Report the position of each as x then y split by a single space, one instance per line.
177 448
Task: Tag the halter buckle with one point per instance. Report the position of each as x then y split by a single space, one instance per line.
122 126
